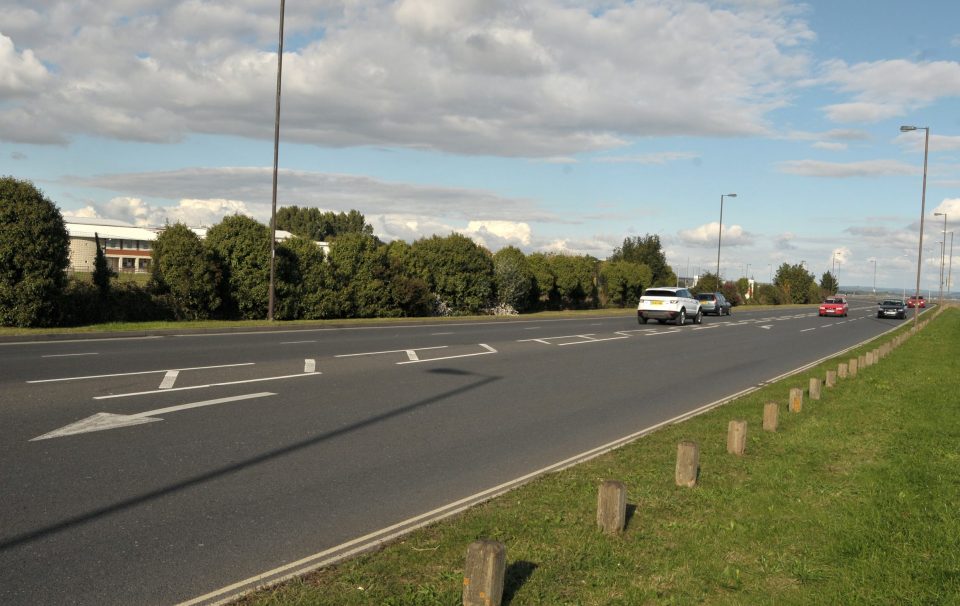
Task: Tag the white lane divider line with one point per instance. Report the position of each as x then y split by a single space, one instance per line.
69 355
144 393
377 353
437 334
807 329
169 379
545 340
296 342
142 372
489 350
309 365
591 340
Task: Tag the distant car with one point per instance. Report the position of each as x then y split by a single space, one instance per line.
892 308
916 302
714 303
834 306
666 303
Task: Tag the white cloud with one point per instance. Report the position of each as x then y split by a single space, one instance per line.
914 140
868 168
706 235
884 89
136 211
20 73
785 241
654 158
541 79
950 206
830 146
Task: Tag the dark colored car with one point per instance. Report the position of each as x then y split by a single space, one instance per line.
714 303
892 308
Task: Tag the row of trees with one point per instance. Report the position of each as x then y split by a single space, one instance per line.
226 275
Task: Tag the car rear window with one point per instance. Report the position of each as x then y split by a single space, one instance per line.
706 297
838 301
659 293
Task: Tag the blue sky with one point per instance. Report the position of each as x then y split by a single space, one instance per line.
552 125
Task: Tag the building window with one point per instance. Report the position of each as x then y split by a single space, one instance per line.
144 245
113 243
143 265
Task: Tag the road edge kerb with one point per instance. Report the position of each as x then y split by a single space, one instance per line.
376 539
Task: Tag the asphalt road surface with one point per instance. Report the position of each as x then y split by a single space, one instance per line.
161 470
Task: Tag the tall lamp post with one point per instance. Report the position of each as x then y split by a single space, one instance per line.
950 270
923 208
874 261
276 157
943 250
720 236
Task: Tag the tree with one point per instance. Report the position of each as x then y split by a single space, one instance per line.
34 255
707 283
101 269
458 271
829 283
310 292
513 277
623 281
185 273
576 280
731 293
314 224
648 251
544 293
242 248
795 282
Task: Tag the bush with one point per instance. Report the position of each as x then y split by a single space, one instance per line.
34 254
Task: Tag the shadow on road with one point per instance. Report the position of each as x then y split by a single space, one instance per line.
33 535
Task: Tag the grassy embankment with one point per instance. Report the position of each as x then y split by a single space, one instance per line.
853 501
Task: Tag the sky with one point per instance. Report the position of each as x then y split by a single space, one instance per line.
550 125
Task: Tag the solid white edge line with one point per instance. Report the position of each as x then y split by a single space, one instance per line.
372 540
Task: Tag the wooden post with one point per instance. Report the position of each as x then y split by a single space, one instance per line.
796 399
484 572
736 437
814 388
612 507
771 416
842 370
688 463
854 366
831 379
862 361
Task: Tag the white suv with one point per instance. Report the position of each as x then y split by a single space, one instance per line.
668 303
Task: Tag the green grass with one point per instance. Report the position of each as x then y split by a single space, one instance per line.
853 501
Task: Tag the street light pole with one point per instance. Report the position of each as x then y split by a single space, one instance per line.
276 157
720 237
874 261
943 249
923 210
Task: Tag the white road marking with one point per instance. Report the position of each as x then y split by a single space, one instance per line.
666 332
309 365
144 393
544 339
412 355
377 353
142 372
489 351
591 341
825 325
437 334
532 328
766 326
105 420
807 329
296 342
169 379
69 355
80 340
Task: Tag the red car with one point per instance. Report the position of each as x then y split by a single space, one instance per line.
834 306
916 302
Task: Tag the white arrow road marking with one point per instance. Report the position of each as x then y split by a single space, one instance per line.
142 372
105 420
169 379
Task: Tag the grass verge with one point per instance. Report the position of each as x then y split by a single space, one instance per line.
852 501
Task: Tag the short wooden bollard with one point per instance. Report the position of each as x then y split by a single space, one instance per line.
612 507
484 573
854 366
688 463
771 416
737 437
842 370
831 380
796 399
862 361
814 388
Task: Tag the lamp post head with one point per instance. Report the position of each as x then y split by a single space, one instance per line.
939 214
731 195
906 129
